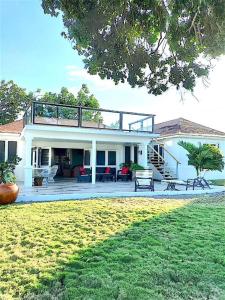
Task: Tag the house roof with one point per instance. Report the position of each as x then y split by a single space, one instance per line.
168 128
183 126
13 127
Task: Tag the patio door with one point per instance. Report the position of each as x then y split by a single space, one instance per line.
41 157
136 154
127 154
77 157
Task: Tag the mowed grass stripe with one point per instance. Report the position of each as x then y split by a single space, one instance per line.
39 241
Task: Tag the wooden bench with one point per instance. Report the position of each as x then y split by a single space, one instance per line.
192 183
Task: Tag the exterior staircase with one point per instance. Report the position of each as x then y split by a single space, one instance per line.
160 165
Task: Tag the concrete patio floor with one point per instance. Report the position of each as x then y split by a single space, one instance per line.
71 190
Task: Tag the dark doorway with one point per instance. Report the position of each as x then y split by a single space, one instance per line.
127 154
159 150
77 157
135 154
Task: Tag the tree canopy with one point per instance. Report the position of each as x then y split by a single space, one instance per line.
203 157
84 99
14 100
152 43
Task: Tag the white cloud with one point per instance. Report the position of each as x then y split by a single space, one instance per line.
74 90
209 110
75 73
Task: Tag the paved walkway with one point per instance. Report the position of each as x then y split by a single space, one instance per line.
65 190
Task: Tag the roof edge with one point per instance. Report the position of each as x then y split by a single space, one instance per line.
191 135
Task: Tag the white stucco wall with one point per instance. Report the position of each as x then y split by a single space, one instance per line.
20 151
186 171
80 138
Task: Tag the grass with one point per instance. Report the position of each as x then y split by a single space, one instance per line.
113 249
220 182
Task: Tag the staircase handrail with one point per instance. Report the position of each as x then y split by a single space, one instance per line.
157 153
170 154
177 161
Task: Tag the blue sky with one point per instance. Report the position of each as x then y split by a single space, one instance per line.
35 55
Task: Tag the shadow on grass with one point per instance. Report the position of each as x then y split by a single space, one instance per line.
179 255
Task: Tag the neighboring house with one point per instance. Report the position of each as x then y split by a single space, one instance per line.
174 157
11 144
69 136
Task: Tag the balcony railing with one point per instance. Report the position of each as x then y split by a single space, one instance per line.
86 117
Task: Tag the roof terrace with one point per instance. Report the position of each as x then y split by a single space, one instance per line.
42 113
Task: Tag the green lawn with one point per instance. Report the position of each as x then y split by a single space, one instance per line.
220 182
113 249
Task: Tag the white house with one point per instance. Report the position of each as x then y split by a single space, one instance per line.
70 136
175 157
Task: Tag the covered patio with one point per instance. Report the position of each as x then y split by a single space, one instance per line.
71 190
74 136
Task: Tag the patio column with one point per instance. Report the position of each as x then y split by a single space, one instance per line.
93 161
132 153
28 166
143 155
6 150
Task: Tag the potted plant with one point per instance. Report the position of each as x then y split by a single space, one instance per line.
38 180
8 188
136 167
132 167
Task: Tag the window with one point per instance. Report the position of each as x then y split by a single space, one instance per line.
215 145
2 151
44 157
100 158
87 157
12 150
127 154
112 158
135 154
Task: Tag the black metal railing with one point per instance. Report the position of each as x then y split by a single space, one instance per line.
86 117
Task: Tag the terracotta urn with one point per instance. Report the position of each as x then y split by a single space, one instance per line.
8 193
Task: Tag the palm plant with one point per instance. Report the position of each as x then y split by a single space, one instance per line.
203 157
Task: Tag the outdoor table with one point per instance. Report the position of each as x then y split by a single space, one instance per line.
171 184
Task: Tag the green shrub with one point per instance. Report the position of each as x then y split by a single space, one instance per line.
132 166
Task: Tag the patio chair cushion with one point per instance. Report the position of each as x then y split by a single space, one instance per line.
144 181
107 170
125 170
82 171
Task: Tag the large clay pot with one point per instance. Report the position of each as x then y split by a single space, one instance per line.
8 193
